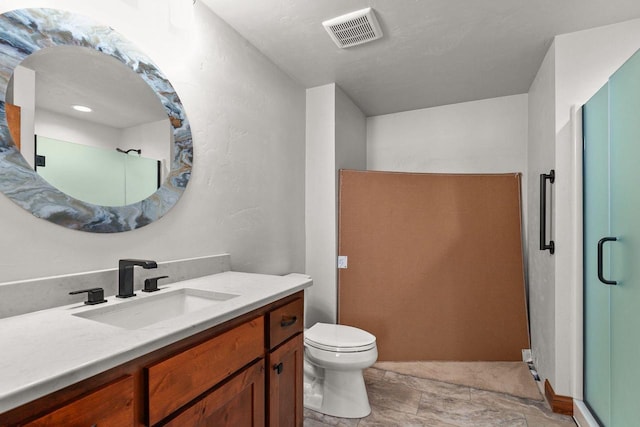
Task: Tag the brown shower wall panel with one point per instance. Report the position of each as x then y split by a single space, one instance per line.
435 264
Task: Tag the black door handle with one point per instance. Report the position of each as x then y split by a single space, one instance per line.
551 176
601 243
278 368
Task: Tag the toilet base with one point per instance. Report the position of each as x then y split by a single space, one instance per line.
340 394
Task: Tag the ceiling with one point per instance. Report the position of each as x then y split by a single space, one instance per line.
73 75
434 52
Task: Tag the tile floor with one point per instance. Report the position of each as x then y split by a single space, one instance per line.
402 400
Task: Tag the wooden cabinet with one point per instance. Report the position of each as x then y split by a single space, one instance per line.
285 322
285 384
246 372
110 405
239 402
180 378
285 362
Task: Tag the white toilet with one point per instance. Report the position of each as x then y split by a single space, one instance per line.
334 357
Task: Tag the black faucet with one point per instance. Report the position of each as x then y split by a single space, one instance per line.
125 275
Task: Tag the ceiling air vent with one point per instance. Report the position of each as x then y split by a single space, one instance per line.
354 28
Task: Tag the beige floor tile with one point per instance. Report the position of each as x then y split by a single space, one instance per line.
435 388
536 421
385 417
373 374
309 422
503 377
395 396
502 401
407 401
468 413
326 420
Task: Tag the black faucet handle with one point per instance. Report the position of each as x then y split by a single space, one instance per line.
144 263
95 295
151 284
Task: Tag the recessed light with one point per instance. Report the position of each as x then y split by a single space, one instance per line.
82 108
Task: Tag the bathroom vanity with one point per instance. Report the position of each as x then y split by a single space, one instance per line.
235 362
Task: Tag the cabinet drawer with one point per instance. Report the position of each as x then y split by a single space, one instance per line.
286 321
111 405
178 379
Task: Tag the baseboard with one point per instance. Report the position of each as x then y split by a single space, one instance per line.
559 404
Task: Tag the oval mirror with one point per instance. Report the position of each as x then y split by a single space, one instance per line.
115 168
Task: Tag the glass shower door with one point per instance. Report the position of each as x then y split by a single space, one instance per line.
624 125
612 209
597 362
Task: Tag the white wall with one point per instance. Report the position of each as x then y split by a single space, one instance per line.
541 159
246 194
148 137
320 207
335 139
65 128
485 136
351 134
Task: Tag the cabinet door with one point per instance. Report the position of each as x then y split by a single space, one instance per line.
597 361
177 380
239 402
625 253
111 405
285 384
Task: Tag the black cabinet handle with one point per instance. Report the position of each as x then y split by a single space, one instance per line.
601 243
551 176
278 368
288 321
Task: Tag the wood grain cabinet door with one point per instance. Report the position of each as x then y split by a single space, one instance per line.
285 384
239 402
111 405
179 379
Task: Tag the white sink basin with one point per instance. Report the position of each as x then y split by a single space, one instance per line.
140 312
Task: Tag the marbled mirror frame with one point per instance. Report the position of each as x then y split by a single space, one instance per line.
25 31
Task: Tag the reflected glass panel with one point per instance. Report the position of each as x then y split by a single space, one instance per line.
109 177
141 177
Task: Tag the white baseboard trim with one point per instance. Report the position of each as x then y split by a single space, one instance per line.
582 415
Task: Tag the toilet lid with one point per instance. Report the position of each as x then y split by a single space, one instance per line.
340 338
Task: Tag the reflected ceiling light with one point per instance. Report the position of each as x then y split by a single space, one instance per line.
82 108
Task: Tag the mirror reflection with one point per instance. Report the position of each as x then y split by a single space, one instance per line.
99 133
25 32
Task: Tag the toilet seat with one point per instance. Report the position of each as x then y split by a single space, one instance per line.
339 338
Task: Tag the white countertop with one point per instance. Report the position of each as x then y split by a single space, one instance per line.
47 350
